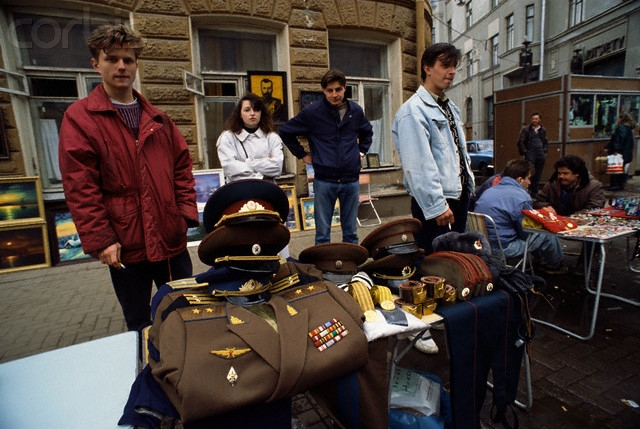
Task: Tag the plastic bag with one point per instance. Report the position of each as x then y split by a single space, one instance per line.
615 164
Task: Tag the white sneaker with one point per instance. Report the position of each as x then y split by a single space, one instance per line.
425 344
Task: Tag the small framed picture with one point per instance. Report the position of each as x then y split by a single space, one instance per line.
21 199
335 219
308 213
24 247
196 234
310 97
63 236
373 160
207 182
292 219
272 87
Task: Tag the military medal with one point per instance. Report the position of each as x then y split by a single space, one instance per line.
232 377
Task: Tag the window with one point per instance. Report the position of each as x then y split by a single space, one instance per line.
365 65
630 104
225 58
55 59
606 115
575 12
495 48
529 23
469 58
469 110
494 3
449 31
469 15
581 111
510 32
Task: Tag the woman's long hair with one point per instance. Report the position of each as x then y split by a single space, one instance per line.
235 123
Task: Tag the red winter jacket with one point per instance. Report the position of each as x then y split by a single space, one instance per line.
119 189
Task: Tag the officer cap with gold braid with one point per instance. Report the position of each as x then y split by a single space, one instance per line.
337 261
246 233
395 237
245 201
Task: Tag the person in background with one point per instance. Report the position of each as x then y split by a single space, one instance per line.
428 134
249 148
504 202
339 135
621 142
126 173
533 146
571 188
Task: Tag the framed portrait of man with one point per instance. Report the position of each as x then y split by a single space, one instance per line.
272 87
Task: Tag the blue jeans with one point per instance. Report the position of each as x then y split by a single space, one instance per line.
133 286
543 246
326 194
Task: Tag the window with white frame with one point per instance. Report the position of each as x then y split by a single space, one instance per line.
54 57
495 47
367 71
528 30
225 58
469 60
575 12
510 32
494 3
469 15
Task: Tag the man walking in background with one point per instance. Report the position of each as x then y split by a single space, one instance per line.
533 145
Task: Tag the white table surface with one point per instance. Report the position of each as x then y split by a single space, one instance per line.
82 386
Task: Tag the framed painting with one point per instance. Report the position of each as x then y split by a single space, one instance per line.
196 234
292 219
335 219
307 213
4 141
373 160
21 199
207 182
64 240
272 87
310 97
24 247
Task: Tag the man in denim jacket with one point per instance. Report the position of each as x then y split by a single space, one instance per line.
430 140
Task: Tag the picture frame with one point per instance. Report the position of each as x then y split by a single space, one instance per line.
24 246
292 221
272 87
21 200
335 219
310 97
373 160
307 213
207 182
64 241
4 140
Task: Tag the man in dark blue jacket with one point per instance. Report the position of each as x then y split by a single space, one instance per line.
339 135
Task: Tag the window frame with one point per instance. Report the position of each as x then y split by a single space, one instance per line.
510 32
529 26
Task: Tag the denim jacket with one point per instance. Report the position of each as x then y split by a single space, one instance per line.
427 153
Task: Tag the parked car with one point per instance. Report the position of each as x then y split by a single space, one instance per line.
481 154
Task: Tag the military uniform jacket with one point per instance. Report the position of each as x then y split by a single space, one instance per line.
219 357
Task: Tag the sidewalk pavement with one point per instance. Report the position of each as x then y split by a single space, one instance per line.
576 384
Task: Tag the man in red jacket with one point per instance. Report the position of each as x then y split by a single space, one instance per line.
126 173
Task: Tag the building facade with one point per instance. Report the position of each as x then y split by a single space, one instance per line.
510 43
200 58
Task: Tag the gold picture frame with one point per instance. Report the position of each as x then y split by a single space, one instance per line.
21 200
292 221
24 246
307 213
